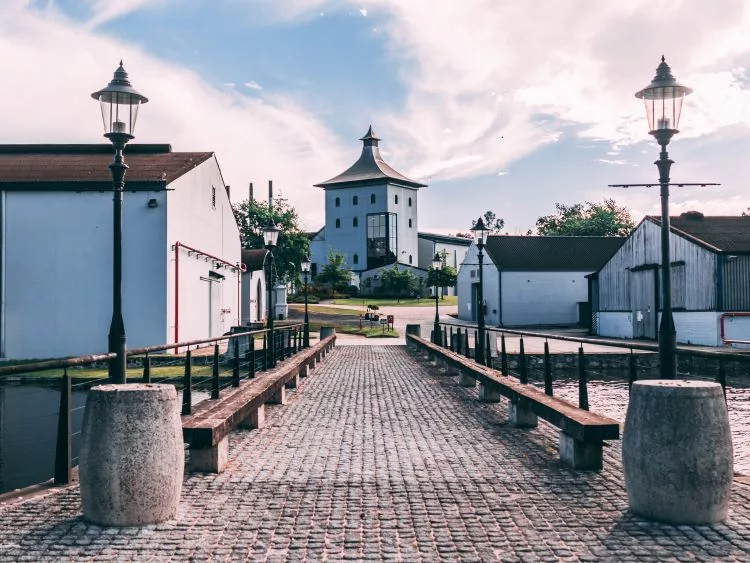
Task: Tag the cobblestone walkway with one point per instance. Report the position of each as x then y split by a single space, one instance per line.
377 458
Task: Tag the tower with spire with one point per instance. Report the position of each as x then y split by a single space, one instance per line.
371 214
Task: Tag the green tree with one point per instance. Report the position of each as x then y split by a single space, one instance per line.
443 277
492 222
396 282
746 213
292 245
335 275
605 219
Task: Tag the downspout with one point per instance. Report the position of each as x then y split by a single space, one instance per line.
176 294
2 274
500 296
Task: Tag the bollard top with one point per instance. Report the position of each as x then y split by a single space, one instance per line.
134 390
683 387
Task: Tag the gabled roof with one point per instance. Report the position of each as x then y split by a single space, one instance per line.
728 233
538 253
253 258
82 167
369 168
460 241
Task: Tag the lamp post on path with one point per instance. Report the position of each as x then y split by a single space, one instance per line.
480 238
306 272
270 236
119 103
437 265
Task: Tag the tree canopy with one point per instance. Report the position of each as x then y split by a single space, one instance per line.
292 245
335 274
492 222
605 219
396 282
442 277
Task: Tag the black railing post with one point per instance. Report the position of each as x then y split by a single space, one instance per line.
523 376
236 363
146 369
215 374
458 343
583 389
503 356
547 370
265 352
722 377
445 337
467 352
252 356
632 370
63 455
477 348
187 386
451 343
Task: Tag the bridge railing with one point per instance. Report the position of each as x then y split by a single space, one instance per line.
542 359
199 369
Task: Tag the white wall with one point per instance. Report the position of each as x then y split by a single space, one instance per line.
542 298
490 287
251 296
58 272
700 328
193 221
737 328
615 324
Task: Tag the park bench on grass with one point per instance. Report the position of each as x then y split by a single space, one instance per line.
582 433
208 427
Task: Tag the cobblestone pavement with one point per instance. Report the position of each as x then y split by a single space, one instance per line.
375 457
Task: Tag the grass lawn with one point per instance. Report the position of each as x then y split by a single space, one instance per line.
375 332
424 302
325 310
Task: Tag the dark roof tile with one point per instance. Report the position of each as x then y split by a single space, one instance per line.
537 253
729 233
253 258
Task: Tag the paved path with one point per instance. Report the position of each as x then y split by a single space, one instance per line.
376 458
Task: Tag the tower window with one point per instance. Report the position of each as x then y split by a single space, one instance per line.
355 260
338 223
213 197
338 202
409 202
409 258
355 222
355 200
410 223
372 198
396 199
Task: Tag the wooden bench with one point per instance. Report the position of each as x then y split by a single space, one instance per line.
206 430
582 433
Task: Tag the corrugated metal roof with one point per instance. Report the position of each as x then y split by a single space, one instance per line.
89 163
461 241
253 258
728 233
369 167
537 253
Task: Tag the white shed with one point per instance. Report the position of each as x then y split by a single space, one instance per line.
532 280
254 301
181 249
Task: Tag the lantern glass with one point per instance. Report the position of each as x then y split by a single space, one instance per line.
270 236
119 111
437 263
480 232
663 107
305 264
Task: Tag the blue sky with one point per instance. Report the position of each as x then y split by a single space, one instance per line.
496 104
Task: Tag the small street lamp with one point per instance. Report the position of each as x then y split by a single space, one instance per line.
480 238
306 272
119 103
270 236
663 100
437 265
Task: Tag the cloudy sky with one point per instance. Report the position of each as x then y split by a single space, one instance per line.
496 104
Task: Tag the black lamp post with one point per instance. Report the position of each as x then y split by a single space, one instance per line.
119 104
480 238
270 236
663 99
306 272
437 265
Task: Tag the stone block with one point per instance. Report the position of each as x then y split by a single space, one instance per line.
279 397
465 380
256 420
521 416
293 383
304 370
580 455
210 460
489 393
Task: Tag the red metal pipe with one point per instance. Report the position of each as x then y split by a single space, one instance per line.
725 341
240 268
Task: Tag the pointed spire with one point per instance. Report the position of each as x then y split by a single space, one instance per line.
370 139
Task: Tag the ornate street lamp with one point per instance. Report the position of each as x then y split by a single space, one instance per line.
480 238
119 103
663 100
270 236
437 265
306 272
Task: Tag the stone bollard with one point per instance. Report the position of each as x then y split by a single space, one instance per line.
132 456
677 451
326 331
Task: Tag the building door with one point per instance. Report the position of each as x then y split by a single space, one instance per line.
643 303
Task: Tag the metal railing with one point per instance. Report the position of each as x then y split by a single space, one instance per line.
195 374
638 359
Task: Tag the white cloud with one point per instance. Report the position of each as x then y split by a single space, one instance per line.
104 11
253 85
615 161
254 141
363 12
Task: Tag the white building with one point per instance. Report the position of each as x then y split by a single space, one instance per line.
710 280
532 280
181 249
254 299
452 249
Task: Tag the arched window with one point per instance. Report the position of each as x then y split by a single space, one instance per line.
355 200
338 223
396 199
410 223
355 222
338 202
356 259
409 202
409 258
372 198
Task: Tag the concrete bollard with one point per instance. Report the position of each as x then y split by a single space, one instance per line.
465 380
416 330
132 456
677 451
326 331
521 416
489 393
